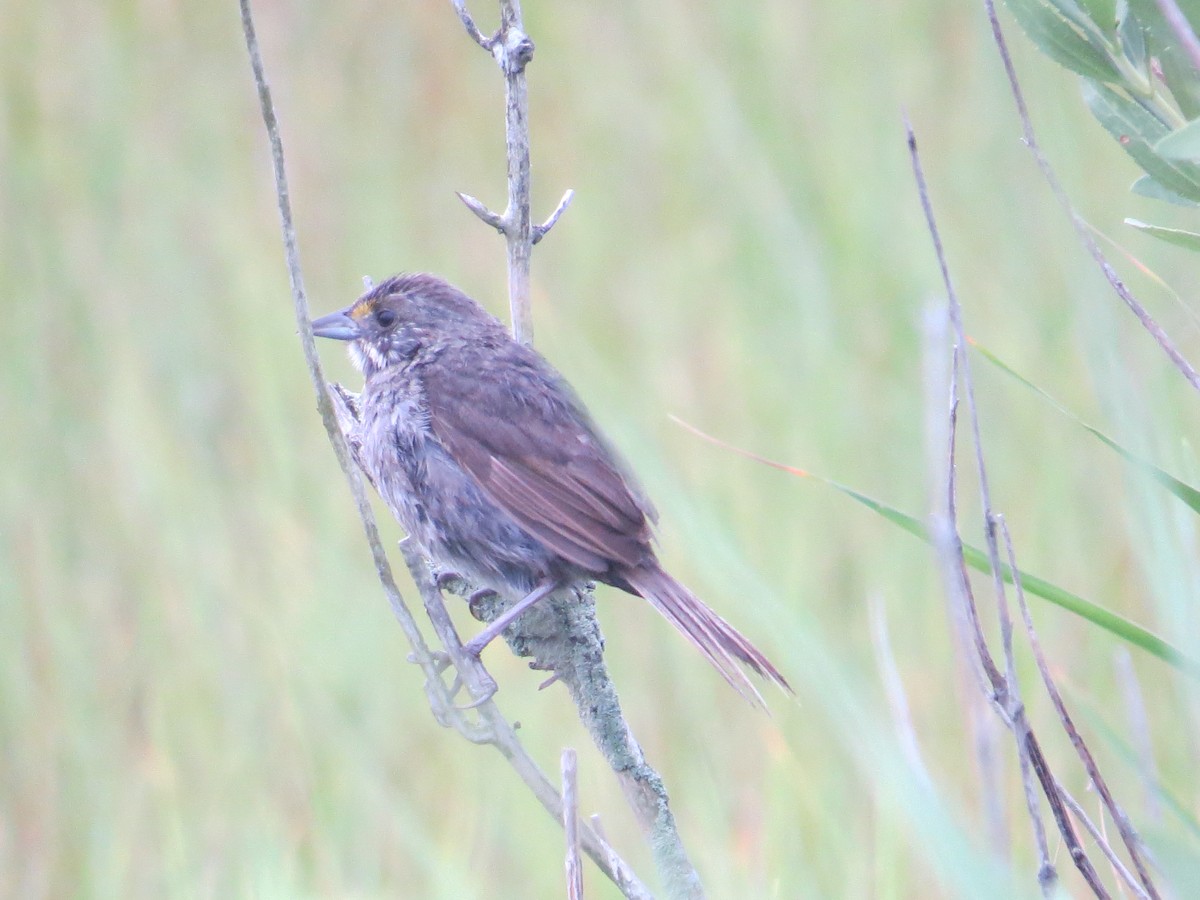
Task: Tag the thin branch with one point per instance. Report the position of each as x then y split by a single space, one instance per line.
1098 836
1133 844
494 219
493 728
562 636
570 793
512 49
1081 227
940 380
1004 694
460 7
540 231
303 324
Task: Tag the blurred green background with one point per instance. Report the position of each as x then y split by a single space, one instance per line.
202 691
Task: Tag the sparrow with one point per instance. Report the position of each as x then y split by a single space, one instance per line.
488 459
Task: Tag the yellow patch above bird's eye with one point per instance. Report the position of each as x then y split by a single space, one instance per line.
362 309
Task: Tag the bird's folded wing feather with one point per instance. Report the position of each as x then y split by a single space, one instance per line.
537 457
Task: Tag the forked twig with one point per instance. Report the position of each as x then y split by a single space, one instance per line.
513 50
1133 843
1002 689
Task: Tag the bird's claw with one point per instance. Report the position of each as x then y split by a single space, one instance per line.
475 599
488 693
442 662
450 582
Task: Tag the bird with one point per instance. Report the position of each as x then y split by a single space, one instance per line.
490 462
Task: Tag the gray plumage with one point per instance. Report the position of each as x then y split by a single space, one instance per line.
488 459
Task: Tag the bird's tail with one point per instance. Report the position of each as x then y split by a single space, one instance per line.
722 644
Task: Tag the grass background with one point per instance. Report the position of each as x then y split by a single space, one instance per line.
202 693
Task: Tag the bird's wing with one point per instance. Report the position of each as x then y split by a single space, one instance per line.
519 431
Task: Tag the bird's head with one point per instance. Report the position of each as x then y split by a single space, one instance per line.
395 320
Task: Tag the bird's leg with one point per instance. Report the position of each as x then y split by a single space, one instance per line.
475 601
476 644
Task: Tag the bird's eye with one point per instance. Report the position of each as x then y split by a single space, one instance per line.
386 318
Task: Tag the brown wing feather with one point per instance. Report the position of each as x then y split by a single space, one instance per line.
536 455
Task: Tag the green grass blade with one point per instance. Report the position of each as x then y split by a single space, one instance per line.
1115 623
1177 236
1110 621
1180 489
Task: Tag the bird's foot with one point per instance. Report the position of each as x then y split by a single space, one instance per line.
474 647
485 685
497 625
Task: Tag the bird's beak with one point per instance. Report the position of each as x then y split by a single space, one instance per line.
338 326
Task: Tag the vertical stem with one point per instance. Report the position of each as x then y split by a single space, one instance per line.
570 793
513 51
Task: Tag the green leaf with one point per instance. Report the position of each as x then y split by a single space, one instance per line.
1173 61
1137 131
1180 489
1133 41
1110 621
1116 624
1187 239
1102 12
1071 42
1148 187
1182 143
1182 80
1082 18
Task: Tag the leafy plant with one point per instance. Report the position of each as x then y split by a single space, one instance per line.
1141 83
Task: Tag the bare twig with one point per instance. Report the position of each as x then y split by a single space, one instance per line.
460 7
1105 847
1133 844
1081 227
940 379
513 51
1003 689
492 727
494 219
1183 31
540 231
564 637
324 404
570 794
